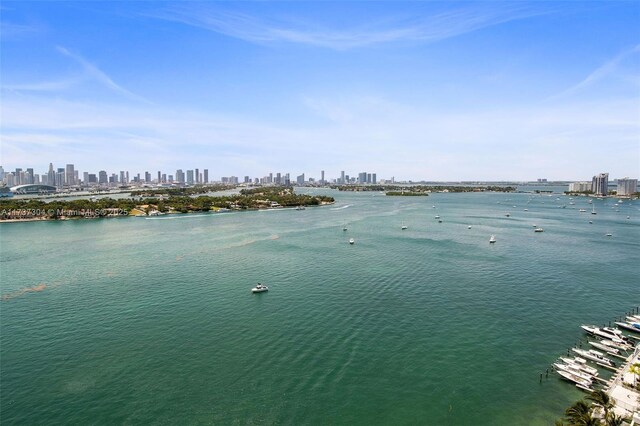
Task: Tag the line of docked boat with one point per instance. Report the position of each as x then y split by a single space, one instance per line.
609 342
576 371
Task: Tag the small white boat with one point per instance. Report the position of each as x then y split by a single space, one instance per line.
469 227
607 332
609 234
619 344
352 241
591 222
575 379
607 349
492 239
595 356
573 369
403 227
508 215
631 326
259 288
300 208
437 217
581 364
582 211
538 230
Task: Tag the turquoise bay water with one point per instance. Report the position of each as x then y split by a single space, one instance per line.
152 320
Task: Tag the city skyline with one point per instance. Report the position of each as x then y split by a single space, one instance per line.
420 91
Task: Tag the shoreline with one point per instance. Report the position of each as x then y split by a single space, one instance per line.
81 217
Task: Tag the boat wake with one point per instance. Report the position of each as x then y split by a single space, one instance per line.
341 208
21 292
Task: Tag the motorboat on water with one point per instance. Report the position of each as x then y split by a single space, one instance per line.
403 227
538 230
633 318
606 332
573 369
582 210
581 364
492 239
595 356
631 326
603 347
575 379
618 344
352 241
437 217
260 288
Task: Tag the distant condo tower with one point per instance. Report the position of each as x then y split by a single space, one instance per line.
627 187
600 184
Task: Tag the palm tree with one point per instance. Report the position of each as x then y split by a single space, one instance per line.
614 420
602 399
579 414
635 370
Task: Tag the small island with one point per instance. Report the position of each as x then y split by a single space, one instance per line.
161 202
413 190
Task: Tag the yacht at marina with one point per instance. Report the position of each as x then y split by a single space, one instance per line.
595 356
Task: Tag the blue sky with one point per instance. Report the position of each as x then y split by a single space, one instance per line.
415 90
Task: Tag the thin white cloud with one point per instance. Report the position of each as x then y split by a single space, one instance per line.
606 69
10 29
431 28
43 86
100 76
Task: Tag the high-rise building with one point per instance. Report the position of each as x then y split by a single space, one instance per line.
278 179
362 177
197 174
300 179
159 176
51 176
627 187
374 179
60 177
2 173
206 175
342 181
600 184
179 176
147 177
579 186
122 181
190 177
247 179
85 177
102 177
321 177
70 175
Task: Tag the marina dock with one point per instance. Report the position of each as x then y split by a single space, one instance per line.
622 387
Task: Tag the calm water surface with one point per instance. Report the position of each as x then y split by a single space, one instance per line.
152 320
